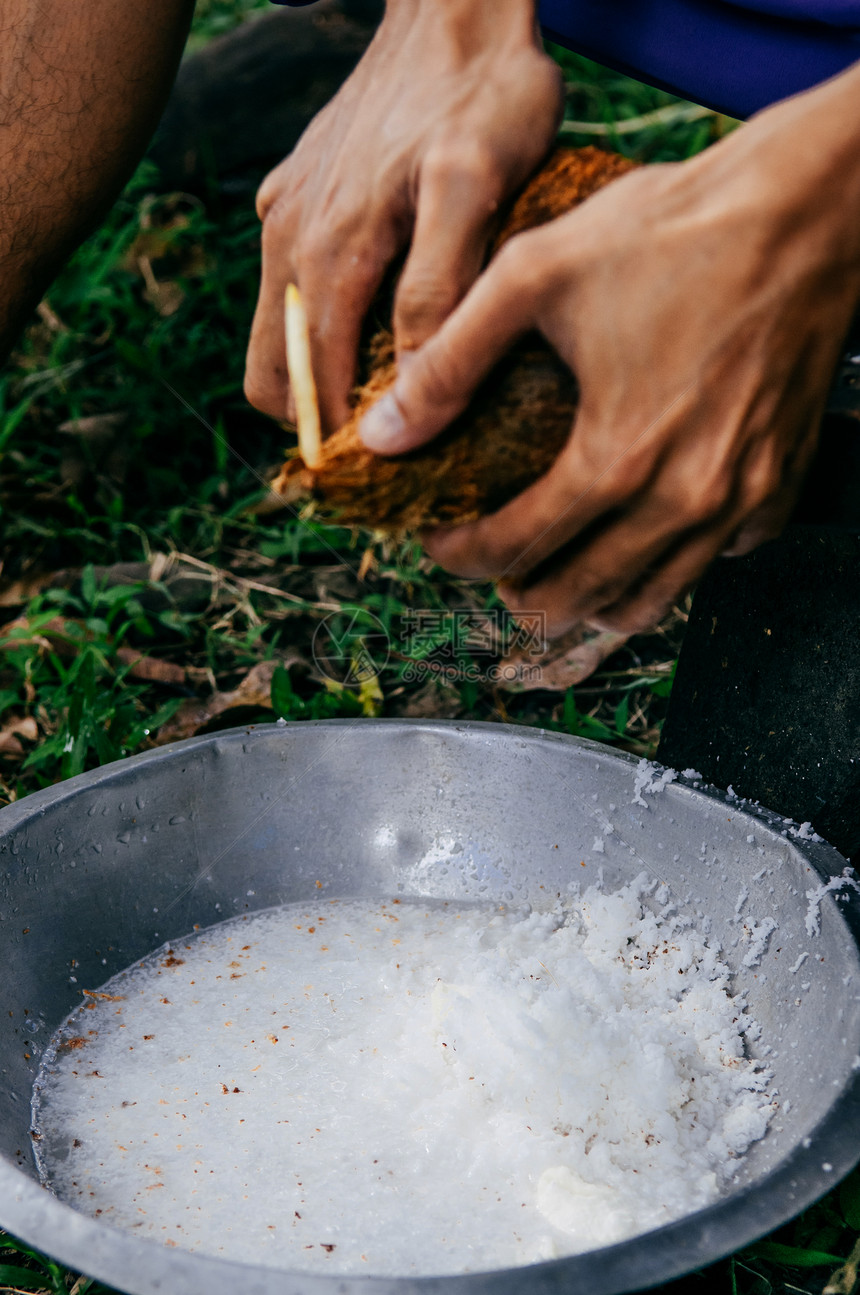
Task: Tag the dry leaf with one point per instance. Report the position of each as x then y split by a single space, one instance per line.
435 699
272 501
60 635
98 427
151 668
165 295
15 728
190 583
49 316
94 448
254 692
66 637
368 562
18 592
566 661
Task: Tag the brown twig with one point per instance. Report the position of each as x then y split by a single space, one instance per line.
844 1280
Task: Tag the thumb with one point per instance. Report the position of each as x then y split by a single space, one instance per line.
435 383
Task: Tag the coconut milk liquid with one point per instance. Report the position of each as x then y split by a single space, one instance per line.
407 1086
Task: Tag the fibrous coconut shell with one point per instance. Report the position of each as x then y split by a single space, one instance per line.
509 435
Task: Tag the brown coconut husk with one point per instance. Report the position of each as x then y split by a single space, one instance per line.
512 430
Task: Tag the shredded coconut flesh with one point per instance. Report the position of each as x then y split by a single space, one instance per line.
407 1087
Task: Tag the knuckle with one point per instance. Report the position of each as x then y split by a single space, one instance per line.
689 503
435 384
488 551
275 186
544 80
762 480
422 298
631 618
367 260
596 588
255 392
252 390
522 266
267 196
333 255
263 203
451 163
700 495
629 476
277 237
636 612
744 542
531 88
591 469
264 390
313 248
515 598
615 620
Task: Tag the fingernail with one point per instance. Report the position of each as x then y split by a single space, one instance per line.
382 427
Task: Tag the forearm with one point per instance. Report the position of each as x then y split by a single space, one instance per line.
81 90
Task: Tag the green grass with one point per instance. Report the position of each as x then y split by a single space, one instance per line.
125 438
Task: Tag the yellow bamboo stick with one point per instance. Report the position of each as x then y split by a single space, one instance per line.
302 378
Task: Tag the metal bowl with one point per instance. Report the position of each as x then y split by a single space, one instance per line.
102 869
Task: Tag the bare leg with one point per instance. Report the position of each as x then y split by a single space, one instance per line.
81 90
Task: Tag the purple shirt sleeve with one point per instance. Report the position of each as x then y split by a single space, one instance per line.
840 13
732 55
735 57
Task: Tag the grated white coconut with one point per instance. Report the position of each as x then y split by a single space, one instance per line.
650 780
406 1087
845 880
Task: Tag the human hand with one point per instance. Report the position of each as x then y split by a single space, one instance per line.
701 306
451 108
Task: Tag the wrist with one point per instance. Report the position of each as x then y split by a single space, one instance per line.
788 183
471 24
808 154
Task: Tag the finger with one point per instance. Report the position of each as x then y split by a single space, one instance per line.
775 500
646 607
337 287
337 283
458 196
442 376
521 535
292 412
266 380
765 524
602 569
575 494
636 600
